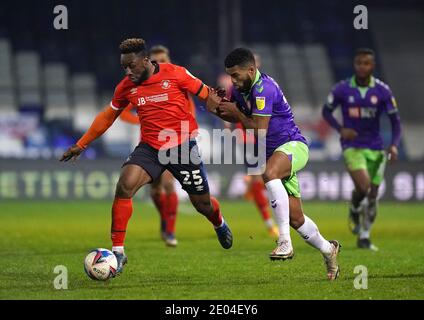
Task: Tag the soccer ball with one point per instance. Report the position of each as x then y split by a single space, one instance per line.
100 264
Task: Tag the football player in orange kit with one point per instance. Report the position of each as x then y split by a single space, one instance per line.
162 190
168 129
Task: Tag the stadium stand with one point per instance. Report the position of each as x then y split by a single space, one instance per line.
57 74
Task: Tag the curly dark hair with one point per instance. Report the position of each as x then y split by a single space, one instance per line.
133 45
239 57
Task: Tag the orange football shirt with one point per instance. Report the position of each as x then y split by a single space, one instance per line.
161 103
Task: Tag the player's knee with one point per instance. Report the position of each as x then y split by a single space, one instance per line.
274 173
124 190
169 187
203 206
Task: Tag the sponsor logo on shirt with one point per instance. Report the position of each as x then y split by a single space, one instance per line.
368 113
364 113
260 103
156 98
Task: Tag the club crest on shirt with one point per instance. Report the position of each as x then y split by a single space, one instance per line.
351 99
374 99
165 84
260 103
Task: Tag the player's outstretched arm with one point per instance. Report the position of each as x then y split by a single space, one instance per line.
101 123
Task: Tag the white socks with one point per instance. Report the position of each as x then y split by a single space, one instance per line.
364 234
279 202
309 231
118 249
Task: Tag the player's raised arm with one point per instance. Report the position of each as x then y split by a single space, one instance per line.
101 123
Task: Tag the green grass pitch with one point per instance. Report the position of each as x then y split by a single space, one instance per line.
37 236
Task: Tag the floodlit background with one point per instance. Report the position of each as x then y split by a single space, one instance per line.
53 82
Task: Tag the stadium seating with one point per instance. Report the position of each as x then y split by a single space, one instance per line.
57 101
7 96
57 74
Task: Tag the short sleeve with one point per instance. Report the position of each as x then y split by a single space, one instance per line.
119 99
263 100
188 82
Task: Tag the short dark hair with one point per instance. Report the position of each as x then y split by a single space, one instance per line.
133 45
239 57
364 51
158 49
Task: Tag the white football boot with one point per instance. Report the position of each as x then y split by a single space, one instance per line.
283 251
330 260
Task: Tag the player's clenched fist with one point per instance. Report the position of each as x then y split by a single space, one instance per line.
213 100
72 153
